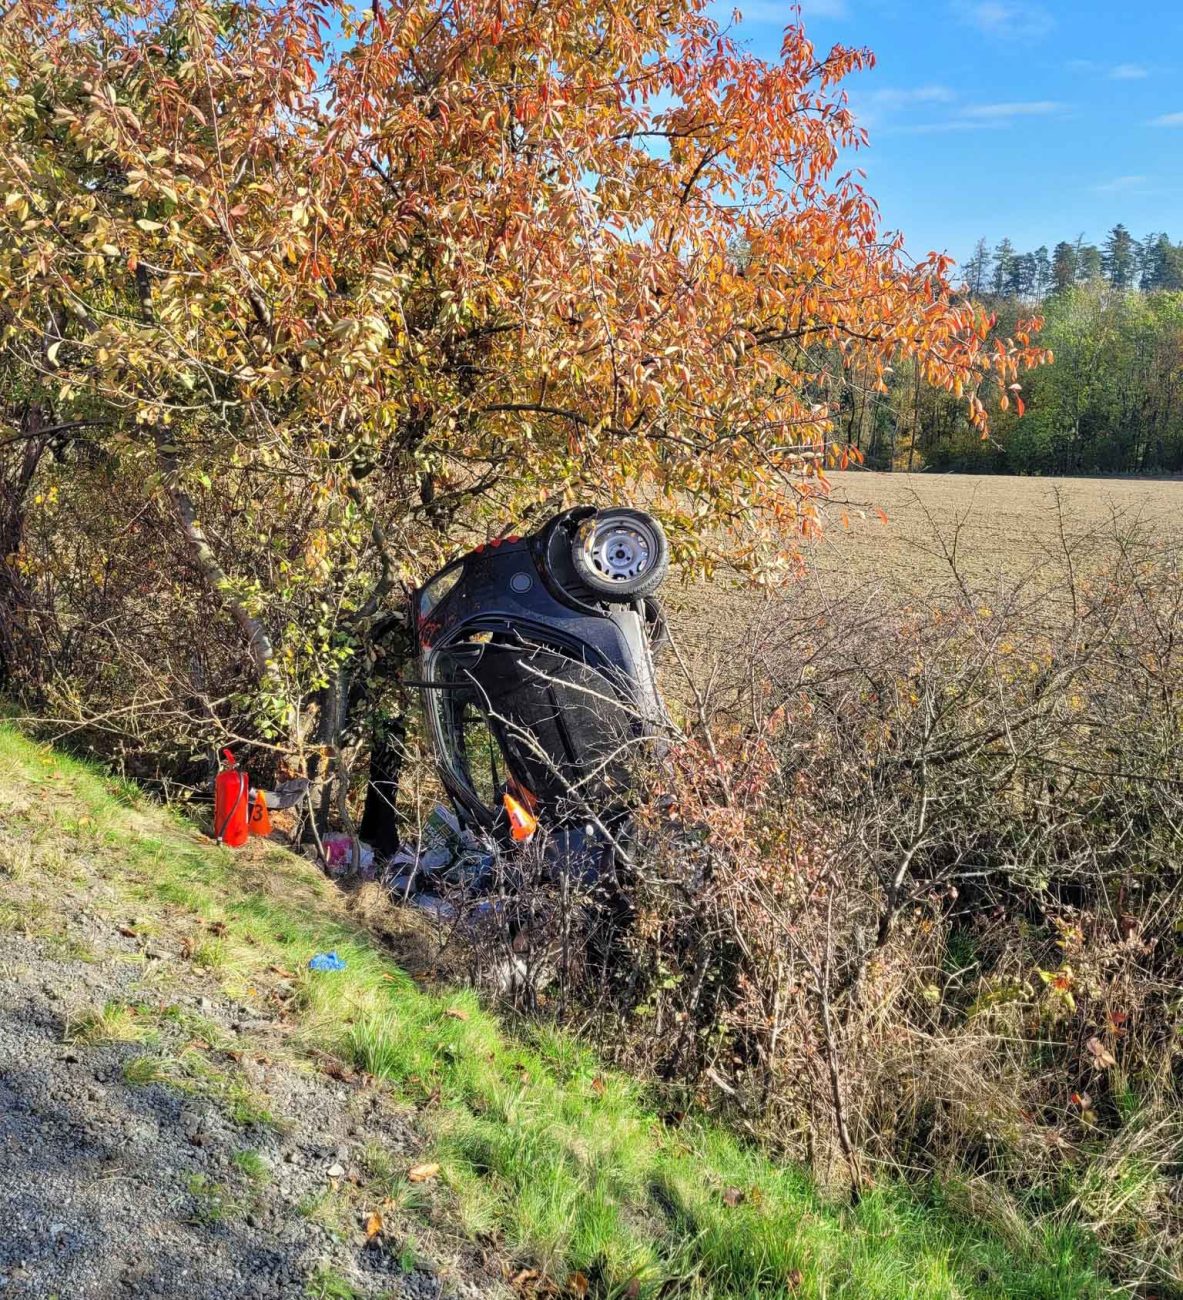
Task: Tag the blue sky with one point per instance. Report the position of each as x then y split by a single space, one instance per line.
1037 121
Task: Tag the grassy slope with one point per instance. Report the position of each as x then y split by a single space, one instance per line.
562 1164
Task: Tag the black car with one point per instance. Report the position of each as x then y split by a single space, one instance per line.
537 671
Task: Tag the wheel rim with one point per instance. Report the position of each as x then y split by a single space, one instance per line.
620 550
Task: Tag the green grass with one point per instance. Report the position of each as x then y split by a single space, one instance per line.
115 1022
325 1284
562 1164
252 1166
212 1203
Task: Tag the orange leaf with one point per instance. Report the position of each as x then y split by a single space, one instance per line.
373 1225
422 1173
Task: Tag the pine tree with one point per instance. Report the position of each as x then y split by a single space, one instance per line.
977 270
1064 266
1043 271
1119 259
1161 264
1004 268
1089 264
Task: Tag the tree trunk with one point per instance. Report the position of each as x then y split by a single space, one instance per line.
380 822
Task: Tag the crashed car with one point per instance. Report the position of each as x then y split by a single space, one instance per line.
537 673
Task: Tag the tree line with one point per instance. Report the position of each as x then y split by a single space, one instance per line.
1121 261
1111 402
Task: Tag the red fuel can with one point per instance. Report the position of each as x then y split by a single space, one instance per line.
231 804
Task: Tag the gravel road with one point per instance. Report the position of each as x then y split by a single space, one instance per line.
142 1168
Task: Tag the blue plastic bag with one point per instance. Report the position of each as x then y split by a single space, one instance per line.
326 961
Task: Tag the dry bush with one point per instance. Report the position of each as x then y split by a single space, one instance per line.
909 893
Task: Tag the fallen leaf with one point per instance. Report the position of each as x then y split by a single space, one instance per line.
524 1277
373 1225
1103 1058
456 1013
422 1173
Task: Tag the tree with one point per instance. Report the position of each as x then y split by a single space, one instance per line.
1119 258
1042 271
317 308
1089 262
1005 268
1064 266
1161 264
977 269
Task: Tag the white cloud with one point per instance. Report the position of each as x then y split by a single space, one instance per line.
1128 72
1120 185
938 128
1005 112
1168 119
892 97
1006 19
979 117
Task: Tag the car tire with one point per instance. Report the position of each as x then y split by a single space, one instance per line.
621 555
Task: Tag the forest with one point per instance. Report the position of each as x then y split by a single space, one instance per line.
1112 403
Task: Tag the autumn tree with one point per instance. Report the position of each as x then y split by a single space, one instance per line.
287 312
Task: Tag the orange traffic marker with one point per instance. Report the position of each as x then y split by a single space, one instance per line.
522 822
260 817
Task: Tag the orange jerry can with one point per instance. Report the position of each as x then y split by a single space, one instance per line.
231 804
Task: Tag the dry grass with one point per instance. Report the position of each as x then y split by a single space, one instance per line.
1006 524
1001 529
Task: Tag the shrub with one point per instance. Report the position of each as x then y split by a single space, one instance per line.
908 895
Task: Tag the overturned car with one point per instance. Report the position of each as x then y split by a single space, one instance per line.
537 674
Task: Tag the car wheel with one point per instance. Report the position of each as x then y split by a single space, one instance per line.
622 555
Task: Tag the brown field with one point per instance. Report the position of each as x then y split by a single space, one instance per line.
1001 529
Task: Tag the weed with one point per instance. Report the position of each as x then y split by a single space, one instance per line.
212 1203
252 1166
210 954
117 1022
143 1070
68 947
327 1284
